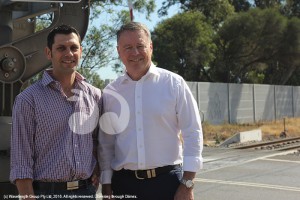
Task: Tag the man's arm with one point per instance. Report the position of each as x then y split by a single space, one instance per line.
21 159
105 154
107 192
25 189
192 135
96 173
184 193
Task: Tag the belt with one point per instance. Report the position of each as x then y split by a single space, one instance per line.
71 185
149 173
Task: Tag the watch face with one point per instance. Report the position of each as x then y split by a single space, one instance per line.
189 183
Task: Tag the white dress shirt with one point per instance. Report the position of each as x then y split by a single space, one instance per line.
161 106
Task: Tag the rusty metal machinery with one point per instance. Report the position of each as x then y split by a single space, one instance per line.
22 56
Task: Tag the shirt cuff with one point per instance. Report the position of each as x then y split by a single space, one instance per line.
106 176
192 164
19 172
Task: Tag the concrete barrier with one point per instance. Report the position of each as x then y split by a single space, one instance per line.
241 137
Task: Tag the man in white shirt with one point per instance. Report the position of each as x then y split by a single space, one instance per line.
146 111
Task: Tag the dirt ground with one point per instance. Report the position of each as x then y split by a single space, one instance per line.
270 130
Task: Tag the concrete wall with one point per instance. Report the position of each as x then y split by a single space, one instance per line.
245 103
264 102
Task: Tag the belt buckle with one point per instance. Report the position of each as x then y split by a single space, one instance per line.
72 185
150 174
137 176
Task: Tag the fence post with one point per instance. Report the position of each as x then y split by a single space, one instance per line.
229 107
293 106
275 106
254 104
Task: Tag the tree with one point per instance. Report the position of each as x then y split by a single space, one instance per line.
291 8
256 44
92 77
240 5
263 4
288 59
215 11
260 42
97 48
184 45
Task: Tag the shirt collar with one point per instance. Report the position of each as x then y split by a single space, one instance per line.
48 79
152 70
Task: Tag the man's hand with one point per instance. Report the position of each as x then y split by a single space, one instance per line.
107 192
184 193
95 181
25 189
95 178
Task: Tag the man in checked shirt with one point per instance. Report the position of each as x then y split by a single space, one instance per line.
53 138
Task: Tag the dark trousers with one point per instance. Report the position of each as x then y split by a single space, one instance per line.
86 193
162 187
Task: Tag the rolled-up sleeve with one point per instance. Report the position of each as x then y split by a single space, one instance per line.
105 156
106 146
190 124
22 140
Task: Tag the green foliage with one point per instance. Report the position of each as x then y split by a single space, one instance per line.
240 5
259 43
43 21
97 47
291 8
92 77
263 4
254 39
184 45
215 11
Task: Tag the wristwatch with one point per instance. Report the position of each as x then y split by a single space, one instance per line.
187 183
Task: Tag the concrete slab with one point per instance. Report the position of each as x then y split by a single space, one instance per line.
241 137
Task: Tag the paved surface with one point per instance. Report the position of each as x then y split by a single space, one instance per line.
248 175
231 174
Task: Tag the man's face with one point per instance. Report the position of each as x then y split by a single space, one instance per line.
65 53
135 50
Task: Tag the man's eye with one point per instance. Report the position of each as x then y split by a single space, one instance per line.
60 48
75 48
128 48
141 47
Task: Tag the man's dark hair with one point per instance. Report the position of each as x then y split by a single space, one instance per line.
62 29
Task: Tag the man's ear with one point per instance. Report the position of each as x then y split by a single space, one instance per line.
80 52
48 53
118 50
151 46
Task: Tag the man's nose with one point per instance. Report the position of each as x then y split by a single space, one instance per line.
69 52
135 50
